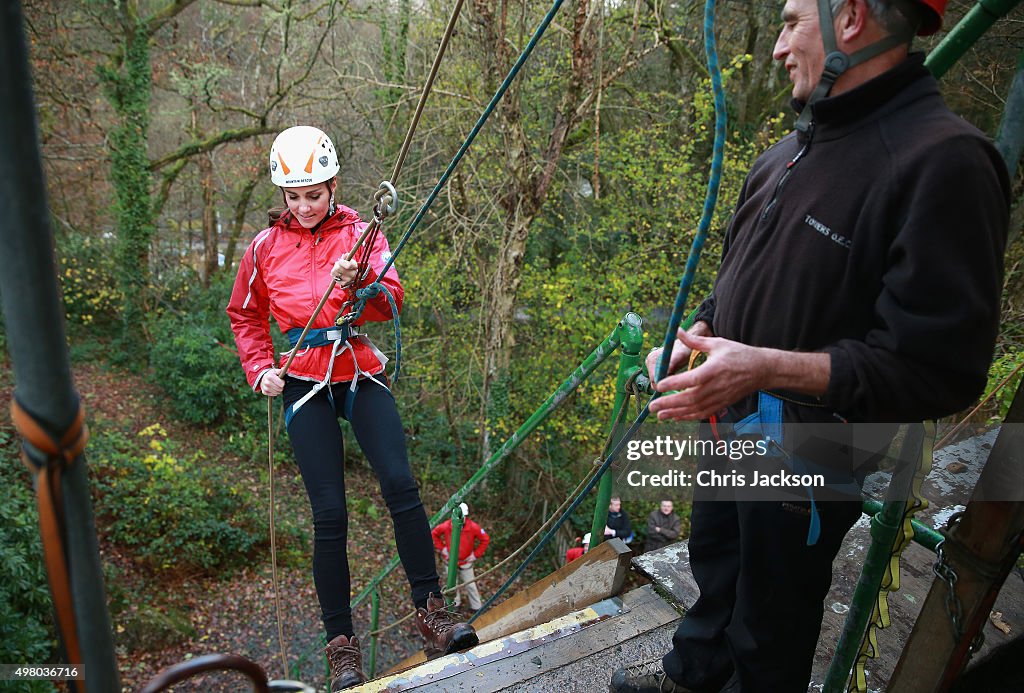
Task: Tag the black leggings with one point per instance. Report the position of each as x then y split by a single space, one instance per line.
320 451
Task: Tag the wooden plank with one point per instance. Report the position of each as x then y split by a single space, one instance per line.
596 575
669 569
988 533
536 651
653 612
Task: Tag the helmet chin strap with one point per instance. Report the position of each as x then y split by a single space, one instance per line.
837 62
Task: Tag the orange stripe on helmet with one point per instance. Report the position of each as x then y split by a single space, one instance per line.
284 166
309 164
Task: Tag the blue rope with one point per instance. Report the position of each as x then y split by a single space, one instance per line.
714 182
473 133
371 291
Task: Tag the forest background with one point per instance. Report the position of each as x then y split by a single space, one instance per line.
576 204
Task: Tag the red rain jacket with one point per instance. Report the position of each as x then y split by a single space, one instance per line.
284 273
472 540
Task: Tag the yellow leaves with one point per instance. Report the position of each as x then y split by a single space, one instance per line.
153 430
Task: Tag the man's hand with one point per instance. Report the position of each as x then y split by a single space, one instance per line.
732 371
680 352
271 384
608 531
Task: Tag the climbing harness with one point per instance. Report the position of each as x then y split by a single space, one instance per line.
48 457
766 424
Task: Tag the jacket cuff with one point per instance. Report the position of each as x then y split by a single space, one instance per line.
841 380
256 382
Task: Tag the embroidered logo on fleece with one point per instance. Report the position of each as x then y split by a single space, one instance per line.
827 232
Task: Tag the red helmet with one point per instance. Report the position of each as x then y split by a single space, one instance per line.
933 11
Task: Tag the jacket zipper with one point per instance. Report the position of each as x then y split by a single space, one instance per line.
785 176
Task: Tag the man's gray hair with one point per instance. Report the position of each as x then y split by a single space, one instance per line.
895 16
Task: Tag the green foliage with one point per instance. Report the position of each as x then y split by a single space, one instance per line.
194 361
1001 369
88 279
25 607
175 511
201 376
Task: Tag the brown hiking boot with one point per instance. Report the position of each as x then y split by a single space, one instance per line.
346 663
441 634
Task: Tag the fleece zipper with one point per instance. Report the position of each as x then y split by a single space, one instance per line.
785 176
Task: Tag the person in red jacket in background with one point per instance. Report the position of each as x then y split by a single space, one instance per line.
577 551
473 541
336 372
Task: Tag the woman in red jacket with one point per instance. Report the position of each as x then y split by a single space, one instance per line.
335 372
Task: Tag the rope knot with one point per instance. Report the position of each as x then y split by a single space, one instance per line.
369 291
63 450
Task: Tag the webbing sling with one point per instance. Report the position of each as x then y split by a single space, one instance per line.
59 455
314 338
767 423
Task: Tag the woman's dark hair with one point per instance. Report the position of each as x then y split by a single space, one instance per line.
274 214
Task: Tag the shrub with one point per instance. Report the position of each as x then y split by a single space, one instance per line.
88 279
174 511
25 606
202 379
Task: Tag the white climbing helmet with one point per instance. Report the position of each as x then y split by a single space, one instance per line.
302 155
464 508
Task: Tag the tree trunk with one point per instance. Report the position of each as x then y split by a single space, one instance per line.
128 90
210 249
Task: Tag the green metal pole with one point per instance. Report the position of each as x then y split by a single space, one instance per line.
374 623
632 339
961 37
453 547
925 536
568 386
885 527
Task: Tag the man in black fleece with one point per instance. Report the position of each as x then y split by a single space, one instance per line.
861 274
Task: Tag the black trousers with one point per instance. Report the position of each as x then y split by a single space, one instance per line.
762 591
319 448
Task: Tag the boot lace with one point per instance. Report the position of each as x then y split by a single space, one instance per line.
439 621
343 658
651 669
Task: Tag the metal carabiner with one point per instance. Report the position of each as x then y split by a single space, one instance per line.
386 198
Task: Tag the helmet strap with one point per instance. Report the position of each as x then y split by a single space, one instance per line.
837 62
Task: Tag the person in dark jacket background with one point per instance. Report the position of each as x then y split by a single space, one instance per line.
860 282
663 527
618 524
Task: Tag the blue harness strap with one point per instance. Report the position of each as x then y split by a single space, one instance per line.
766 423
316 337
